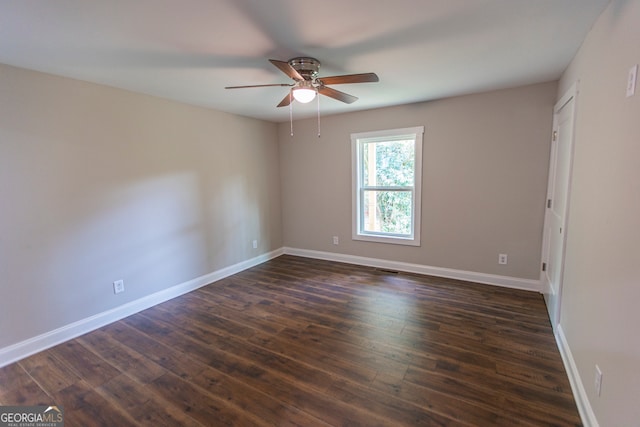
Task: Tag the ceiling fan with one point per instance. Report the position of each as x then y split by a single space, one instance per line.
304 72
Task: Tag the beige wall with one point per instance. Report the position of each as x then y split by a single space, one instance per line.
484 180
600 315
99 184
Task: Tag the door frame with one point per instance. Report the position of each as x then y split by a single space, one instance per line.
554 299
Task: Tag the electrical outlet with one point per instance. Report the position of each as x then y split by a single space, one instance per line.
336 240
118 286
255 244
598 381
502 258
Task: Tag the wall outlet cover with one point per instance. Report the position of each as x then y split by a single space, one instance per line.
118 286
631 82
598 381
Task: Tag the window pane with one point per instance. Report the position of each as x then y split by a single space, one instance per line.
387 212
388 163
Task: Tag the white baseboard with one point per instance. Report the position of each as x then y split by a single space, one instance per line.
579 393
489 279
26 348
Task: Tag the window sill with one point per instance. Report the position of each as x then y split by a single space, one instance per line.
376 238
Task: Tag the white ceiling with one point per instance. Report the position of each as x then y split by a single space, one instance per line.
189 50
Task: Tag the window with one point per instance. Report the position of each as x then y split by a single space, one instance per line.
387 170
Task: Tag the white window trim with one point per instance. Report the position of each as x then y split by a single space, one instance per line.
414 238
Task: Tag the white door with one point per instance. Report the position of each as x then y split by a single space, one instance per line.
558 203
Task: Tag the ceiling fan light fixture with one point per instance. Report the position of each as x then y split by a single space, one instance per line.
304 93
307 85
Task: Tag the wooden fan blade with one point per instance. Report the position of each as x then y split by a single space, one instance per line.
336 94
287 69
350 78
246 86
286 100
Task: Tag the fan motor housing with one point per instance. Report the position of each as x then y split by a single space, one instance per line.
307 67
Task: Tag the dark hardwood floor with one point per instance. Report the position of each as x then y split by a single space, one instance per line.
304 342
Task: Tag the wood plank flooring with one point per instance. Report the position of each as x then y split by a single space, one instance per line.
302 342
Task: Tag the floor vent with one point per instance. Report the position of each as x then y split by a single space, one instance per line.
384 270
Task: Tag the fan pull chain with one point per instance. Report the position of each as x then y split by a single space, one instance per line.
318 96
291 110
